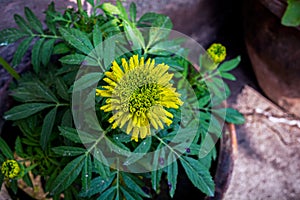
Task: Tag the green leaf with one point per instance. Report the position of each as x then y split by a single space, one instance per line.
47 127
22 48
6 150
9 69
62 89
86 81
230 64
172 173
198 174
49 18
134 36
139 151
68 150
27 180
97 41
108 194
22 24
73 59
98 185
132 11
68 175
34 22
101 163
10 35
86 174
36 55
61 48
72 134
19 148
25 110
158 159
133 185
110 9
231 115
227 76
129 195
67 119
160 29
123 12
291 16
33 90
46 51
77 39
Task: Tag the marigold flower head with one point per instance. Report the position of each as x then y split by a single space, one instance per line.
10 169
217 52
138 94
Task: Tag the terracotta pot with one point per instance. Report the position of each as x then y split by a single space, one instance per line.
274 52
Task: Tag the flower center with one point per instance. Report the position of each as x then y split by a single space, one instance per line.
143 98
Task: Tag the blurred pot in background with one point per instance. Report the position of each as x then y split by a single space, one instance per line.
274 50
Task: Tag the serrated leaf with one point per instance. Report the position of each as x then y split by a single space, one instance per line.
158 159
98 185
172 172
109 53
46 51
86 81
73 135
6 150
33 91
134 36
108 194
77 39
10 35
25 110
97 41
198 174
230 64
62 89
160 29
130 183
231 115
67 175
127 195
27 180
21 50
67 119
291 16
47 127
36 55
73 59
19 148
139 151
86 174
101 163
34 22
49 18
68 150
61 48
22 24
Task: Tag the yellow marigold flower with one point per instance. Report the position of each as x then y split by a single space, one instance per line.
138 94
217 52
10 169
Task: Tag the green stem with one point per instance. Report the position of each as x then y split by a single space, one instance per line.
79 4
47 36
9 69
